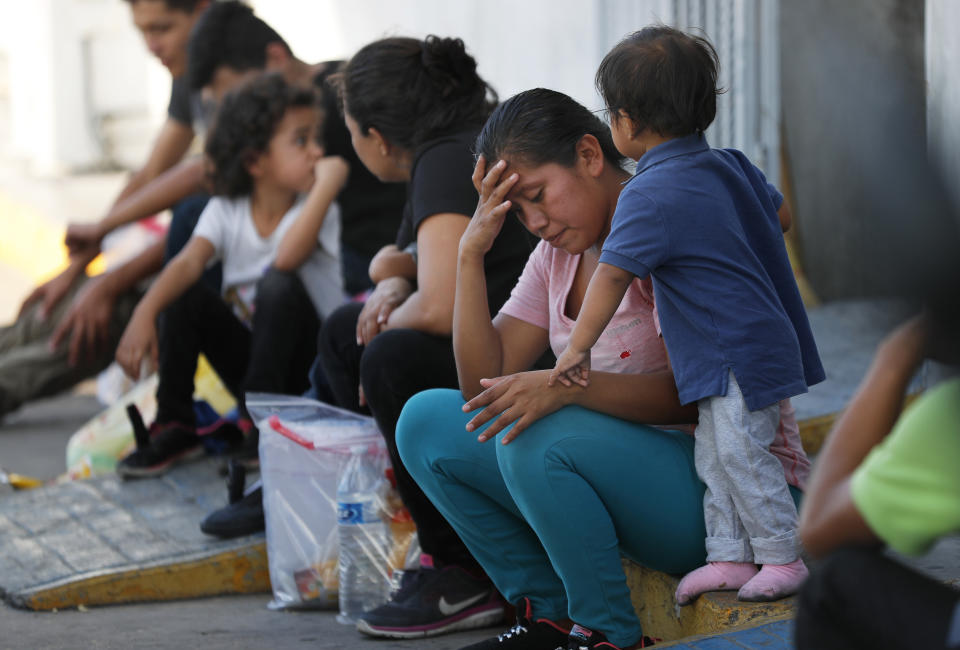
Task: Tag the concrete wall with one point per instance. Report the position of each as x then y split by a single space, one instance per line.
83 90
559 44
518 45
943 89
72 66
852 76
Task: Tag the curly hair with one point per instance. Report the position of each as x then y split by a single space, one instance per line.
663 79
412 91
228 34
245 123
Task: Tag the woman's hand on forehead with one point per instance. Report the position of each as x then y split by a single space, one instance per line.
479 171
484 171
492 208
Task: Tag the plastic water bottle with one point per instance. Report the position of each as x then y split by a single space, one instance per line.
364 579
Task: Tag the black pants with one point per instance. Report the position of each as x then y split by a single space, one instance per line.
859 598
273 357
354 266
185 216
396 365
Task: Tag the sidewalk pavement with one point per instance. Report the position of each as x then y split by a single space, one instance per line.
771 636
847 334
32 441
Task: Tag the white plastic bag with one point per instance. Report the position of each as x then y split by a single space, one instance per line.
304 445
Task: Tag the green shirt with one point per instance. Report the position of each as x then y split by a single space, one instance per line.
908 487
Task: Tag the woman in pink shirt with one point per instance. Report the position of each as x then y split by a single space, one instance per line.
571 477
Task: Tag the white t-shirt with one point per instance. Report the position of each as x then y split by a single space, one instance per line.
228 225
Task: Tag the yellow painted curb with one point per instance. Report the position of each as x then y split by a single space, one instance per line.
712 613
652 592
686 642
244 570
237 571
813 431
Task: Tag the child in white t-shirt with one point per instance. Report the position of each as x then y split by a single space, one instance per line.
274 226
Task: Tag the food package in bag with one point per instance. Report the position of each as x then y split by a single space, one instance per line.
304 446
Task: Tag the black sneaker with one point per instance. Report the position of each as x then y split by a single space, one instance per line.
583 639
224 436
159 448
527 634
245 517
432 601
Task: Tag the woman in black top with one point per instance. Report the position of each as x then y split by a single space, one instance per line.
414 109
370 210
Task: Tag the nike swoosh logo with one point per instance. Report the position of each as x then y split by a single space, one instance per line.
449 609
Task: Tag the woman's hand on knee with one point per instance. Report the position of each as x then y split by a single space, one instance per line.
519 399
386 297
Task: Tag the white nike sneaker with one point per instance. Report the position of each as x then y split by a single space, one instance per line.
431 601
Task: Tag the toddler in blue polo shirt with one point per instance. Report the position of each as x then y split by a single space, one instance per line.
708 227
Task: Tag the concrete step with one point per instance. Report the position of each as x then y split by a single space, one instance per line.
777 635
106 541
712 613
847 334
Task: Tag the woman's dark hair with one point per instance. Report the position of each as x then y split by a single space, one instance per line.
228 34
186 6
663 79
245 122
542 126
412 91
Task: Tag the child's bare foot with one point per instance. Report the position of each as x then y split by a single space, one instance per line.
775 581
714 576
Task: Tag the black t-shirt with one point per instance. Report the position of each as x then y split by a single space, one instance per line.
440 182
371 210
187 107
180 107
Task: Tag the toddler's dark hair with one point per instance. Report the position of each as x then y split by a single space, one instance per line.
228 34
412 91
663 79
245 122
542 126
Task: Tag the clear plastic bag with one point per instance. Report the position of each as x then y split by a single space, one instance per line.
304 447
97 446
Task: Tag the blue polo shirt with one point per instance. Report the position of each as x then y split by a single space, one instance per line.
703 222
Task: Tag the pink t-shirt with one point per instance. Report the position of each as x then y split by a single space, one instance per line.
630 344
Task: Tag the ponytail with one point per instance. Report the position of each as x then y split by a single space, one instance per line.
413 91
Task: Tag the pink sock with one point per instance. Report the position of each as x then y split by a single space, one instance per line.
714 576
775 581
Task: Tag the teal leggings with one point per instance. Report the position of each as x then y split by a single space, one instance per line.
548 515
